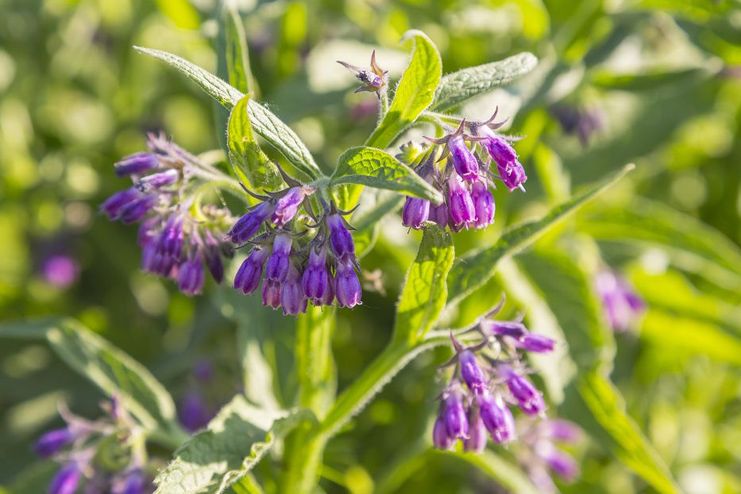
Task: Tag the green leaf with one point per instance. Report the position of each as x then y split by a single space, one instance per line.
376 168
509 476
648 81
317 375
414 93
474 269
266 124
114 372
691 244
425 291
237 53
232 444
464 84
366 221
250 163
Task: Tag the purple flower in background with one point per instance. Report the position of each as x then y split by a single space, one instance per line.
193 412
66 480
538 343
191 276
132 482
582 121
60 270
53 441
621 304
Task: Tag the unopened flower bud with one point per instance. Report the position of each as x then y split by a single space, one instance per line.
158 180
66 480
464 161
415 212
440 437
279 261
248 275
497 418
347 285
471 372
53 441
191 276
248 225
316 280
561 430
538 343
133 482
454 415
476 440
292 295
559 462
528 398
483 203
461 208
136 164
340 239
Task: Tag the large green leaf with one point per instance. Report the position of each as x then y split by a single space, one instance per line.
425 290
474 269
376 168
648 81
250 163
265 123
232 444
464 84
237 53
114 372
414 93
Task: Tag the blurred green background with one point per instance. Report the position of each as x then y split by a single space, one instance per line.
663 77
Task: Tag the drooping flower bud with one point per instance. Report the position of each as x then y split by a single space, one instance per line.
248 275
538 343
347 285
66 479
271 293
528 397
114 206
471 372
461 208
316 280
340 239
439 214
158 180
440 437
497 418
133 482
279 261
53 441
415 212
477 437
136 164
248 225
559 462
292 295
172 237
212 255
137 209
287 206
513 329
191 276
620 303
464 161
193 413
454 415
561 430
483 203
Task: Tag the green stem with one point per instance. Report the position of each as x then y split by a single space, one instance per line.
383 105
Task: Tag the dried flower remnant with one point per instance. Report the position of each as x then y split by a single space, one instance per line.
621 304
373 80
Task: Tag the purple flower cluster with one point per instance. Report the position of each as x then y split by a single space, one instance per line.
476 402
78 447
465 178
621 304
294 268
180 240
541 455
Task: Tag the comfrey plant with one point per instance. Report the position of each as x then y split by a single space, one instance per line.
299 236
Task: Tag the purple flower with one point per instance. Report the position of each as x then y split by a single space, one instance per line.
248 225
292 295
559 462
114 206
287 206
136 164
415 212
497 418
193 412
279 260
53 441
512 329
66 480
248 276
212 255
155 262
171 239
454 416
509 167
60 270
528 398
440 437
461 208
476 440
159 180
483 203
464 161
317 280
561 430
471 372
439 214
347 285
620 303
271 293
538 343
191 276
133 482
340 239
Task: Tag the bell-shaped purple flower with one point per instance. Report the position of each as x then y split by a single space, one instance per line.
271 293
340 239
347 285
460 205
483 203
317 280
497 418
191 275
620 303
509 167
528 397
477 437
513 329
559 462
464 161
66 479
171 239
454 415
440 437
136 210
53 441
155 262
538 343
415 212
114 206
471 372
292 296
136 164
439 214
279 261
287 206
561 430
248 225
133 482
193 413
158 180
248 275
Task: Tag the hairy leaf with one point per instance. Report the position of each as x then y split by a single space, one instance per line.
464 84
266 124
237 53
376 168
425 290
414 93
474 269
250 163
232 444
